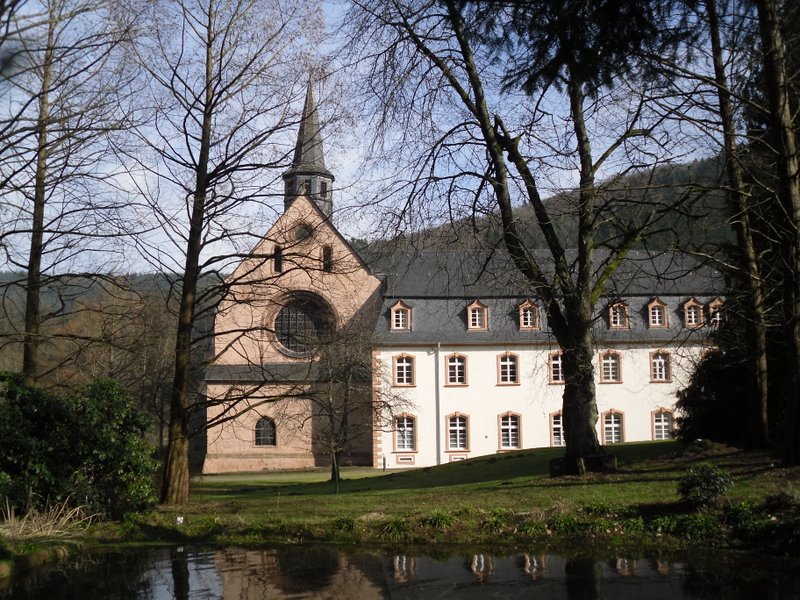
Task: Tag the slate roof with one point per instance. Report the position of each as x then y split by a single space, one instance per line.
438 286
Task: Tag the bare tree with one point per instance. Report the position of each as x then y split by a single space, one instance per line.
220 78
61 109
466 60
347 407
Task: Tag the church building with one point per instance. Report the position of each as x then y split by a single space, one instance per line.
421 358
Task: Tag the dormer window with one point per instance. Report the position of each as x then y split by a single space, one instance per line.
618 316
529 317
693 314
477 316
400 317
657 314
715 308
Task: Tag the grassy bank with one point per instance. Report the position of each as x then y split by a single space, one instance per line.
503 500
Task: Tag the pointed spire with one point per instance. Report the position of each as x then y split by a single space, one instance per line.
308 174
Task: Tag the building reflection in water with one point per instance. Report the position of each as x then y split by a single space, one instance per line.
403 568
535 566
307 573
482 566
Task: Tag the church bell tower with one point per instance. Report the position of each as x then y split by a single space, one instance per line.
308 175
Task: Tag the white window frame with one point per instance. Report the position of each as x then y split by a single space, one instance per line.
477 316
660 367
657 315
618 316
508 369
663 430
610 367
510 434
456 366
557 430
613 427
404 370
458 432
555 368
405 433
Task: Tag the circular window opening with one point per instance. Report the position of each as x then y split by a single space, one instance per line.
301 324
302 232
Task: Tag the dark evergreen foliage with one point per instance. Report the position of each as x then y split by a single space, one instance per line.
87 449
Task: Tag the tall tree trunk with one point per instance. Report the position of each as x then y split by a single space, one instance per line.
775 67
580 408
31 342
175 486
740 221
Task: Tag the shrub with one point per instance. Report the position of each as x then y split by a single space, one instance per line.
86 449
497 519
396 528
703 485
438 519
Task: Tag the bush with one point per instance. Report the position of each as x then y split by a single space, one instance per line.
703 485
86 449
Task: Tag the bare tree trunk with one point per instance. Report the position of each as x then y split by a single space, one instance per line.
30 359
789 193
740 221
175 488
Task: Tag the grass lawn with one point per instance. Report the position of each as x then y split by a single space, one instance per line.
505 498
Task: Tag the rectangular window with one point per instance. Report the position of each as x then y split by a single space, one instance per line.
529 317
477 318
612 428
456 370
694 315
659 367
618 316
509 431
457 429
662 425
404 370
556 368
557 430
400 319
405 438
508 369
658 315
610 367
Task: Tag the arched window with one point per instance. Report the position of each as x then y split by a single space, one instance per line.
405 437
456 369
613 432
663 425
458 432
507 372
660 371
404 370
509 431
265 432
610 367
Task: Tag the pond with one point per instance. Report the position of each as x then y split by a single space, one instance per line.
300 572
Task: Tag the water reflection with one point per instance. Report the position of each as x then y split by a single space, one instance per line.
299 572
